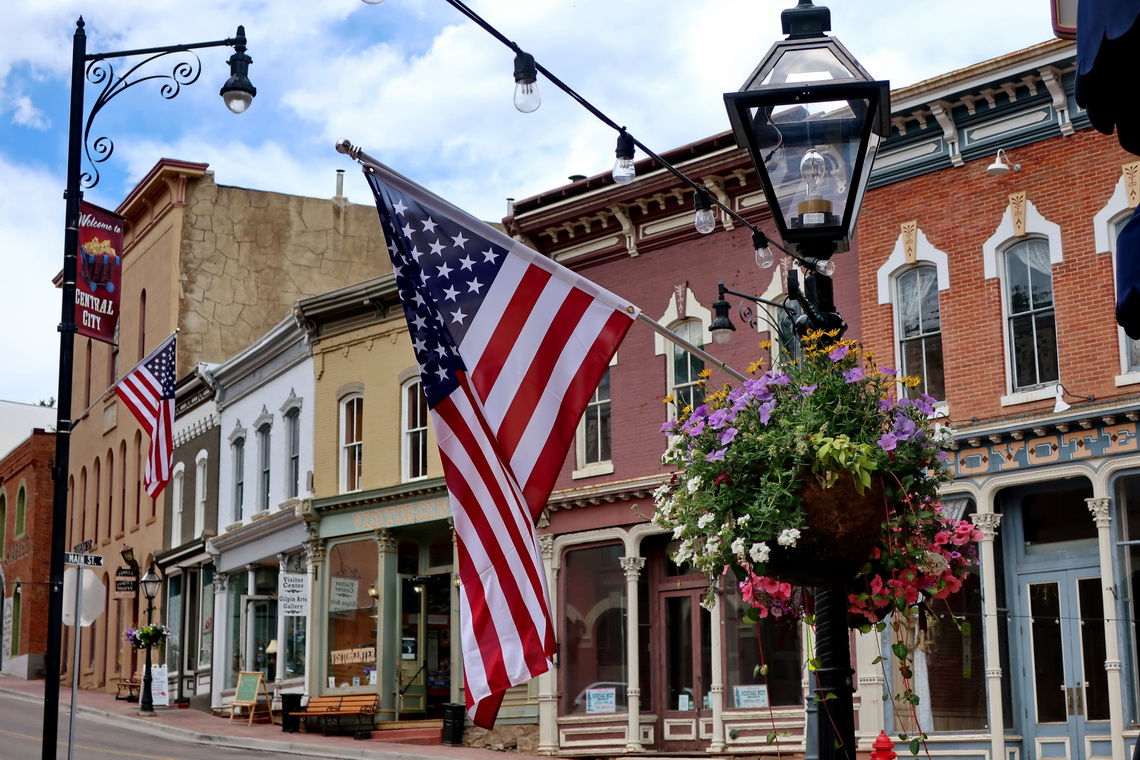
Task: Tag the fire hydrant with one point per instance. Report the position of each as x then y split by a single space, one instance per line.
881 749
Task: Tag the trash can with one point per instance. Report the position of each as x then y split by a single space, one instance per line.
454 719
290 703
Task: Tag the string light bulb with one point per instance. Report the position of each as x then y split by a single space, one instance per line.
703 220
527 97
826 267
764 257
623 171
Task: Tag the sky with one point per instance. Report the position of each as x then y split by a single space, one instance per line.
415 84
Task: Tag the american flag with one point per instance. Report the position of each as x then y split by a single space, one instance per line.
511 347
148 391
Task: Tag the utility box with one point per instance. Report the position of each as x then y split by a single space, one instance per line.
454 720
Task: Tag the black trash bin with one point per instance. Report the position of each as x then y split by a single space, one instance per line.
290 704
454 719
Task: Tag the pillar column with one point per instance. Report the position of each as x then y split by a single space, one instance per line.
633 567
387 622
988 522
1098 506
548 681
315 654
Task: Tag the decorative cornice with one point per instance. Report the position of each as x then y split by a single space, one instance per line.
272 523
399 492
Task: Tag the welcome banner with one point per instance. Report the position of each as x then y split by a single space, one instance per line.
100 272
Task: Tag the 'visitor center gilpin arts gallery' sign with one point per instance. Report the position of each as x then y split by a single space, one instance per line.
1044 448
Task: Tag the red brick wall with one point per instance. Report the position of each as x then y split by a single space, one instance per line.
27 557
1068 180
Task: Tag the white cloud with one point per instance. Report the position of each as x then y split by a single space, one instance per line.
27 115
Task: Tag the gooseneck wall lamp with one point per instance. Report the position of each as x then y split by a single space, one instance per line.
237 93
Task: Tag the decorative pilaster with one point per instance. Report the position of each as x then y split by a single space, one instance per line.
1099 508
988 523
909 232
385 541
1131 173
633 567
1017 212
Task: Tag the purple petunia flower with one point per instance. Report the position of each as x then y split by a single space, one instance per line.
807 390
839 353
887 371
766 411
718 418
885 404
727 436
904 428
779 379
888 442
668 426
853 375
925 404
696 427
717 455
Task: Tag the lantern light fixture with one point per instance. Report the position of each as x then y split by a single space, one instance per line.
238 92
812 118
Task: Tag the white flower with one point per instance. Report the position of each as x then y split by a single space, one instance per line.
711 545
705 520
684 552
678 530
661 494
694 484
738 546
759 552
743 519
788 537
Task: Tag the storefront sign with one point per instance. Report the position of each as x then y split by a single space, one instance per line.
293 594
343 593
601 700
754 695
1053 448
100 266
402 514
352 656
126 583
159 685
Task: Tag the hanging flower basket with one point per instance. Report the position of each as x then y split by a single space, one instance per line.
815 473
146 636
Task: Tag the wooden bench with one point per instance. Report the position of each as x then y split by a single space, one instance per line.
363 707
129 687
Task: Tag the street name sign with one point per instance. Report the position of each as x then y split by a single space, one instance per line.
87 560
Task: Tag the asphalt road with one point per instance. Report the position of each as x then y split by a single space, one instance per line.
21 724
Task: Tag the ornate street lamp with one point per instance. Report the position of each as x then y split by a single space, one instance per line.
149 583
812 118
238 94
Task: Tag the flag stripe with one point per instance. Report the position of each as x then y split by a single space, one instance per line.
148 392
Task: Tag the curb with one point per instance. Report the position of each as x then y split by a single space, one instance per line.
145 726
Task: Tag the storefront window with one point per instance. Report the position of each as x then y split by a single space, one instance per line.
174 622
1128 505
294 646
594 660
236 585
749 646
352 614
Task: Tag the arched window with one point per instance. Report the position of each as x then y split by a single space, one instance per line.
138 479
110 493
122 488
3 520
97 495
237 452
87 376
351 442
415 431
293 453
17 618
1030 322
142 324
918 329
21 508
264 462
684 368
201 490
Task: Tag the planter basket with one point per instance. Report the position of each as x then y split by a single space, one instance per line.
842 527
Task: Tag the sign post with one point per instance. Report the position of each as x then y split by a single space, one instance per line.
81 616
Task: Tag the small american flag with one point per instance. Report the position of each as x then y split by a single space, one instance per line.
148 391
511 347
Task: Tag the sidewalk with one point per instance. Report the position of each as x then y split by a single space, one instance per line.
203 728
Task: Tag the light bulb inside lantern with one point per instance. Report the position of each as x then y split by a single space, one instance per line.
813 169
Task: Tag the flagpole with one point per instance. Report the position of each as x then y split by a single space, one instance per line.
692 348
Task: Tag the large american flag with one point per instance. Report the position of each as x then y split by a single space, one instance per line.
511 347
148 391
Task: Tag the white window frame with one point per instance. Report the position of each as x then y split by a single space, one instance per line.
412 436
693 310
583 468
993 266
346 447
264 466
1117 210
237 491
177 484
1047 388
292 419
903 370
201 490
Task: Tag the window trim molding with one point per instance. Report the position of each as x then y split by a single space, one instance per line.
346 394
691 310
593 469
1047 390
177 502
942 406
201 489
1104 234
405 431
896 263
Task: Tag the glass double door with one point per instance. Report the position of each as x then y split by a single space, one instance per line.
1066 685
259 630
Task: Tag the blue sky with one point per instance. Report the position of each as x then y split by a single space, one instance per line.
415 84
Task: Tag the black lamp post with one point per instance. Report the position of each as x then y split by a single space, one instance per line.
150 584
812 118
238 94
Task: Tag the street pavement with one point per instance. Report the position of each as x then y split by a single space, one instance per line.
206 729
